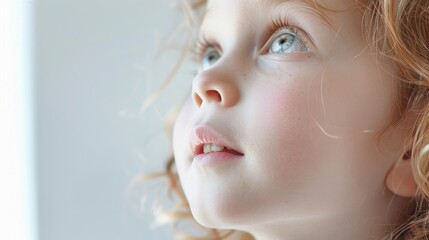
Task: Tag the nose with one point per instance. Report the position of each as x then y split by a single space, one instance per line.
215 85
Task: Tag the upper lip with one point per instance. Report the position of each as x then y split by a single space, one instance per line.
203 134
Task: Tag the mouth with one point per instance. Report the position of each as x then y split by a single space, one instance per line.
205 140
206 148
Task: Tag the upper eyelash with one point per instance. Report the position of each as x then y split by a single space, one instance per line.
282 22
278 23
202 44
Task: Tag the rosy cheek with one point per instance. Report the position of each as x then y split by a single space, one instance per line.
284 98
281 105
282 119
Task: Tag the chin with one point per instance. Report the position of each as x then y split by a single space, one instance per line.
223 211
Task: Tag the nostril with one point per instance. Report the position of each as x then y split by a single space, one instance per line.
215 95
197 99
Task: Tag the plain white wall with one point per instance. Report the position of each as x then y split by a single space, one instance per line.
94 65
17 179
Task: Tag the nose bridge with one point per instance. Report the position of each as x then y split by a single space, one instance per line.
218 84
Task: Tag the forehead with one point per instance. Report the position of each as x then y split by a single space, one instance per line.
334 28
248 9
337 15
328 4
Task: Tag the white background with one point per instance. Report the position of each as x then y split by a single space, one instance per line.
17 185
92 64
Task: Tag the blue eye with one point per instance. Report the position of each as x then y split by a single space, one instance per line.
210 57
287 42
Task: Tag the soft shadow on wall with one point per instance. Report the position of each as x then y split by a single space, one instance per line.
95 62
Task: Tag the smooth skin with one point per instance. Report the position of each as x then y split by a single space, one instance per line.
305 119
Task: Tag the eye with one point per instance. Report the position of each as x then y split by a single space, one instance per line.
287 42
210 56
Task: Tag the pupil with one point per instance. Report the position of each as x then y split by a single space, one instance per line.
211 57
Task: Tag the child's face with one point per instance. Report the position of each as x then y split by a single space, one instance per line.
303 105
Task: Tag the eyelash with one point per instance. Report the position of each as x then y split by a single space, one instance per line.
276 24
202 44
283 23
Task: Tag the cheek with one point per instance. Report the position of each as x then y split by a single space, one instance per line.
295 152
281 104
280 100
287 143
357 96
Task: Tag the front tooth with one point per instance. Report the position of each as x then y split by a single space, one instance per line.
216 148
212 148
207 148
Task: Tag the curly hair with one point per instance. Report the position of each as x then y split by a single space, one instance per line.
397 30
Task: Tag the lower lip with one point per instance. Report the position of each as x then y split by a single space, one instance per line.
215 158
